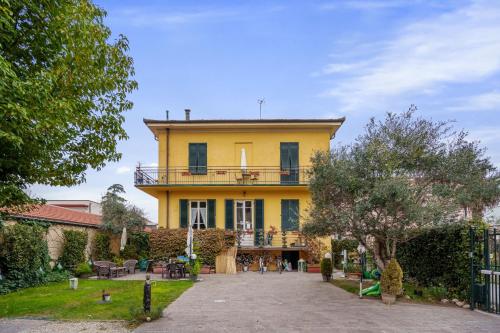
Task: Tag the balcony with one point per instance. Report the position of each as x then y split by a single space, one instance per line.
221 176
272 240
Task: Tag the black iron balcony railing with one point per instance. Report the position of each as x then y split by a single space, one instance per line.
270 239
221 176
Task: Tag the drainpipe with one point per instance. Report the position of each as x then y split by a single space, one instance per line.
167 166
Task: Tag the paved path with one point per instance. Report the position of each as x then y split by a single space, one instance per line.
297 302
53 326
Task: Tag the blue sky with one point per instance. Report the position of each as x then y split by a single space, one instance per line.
308 59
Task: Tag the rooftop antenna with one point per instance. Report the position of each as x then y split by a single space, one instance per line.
166 113
260 101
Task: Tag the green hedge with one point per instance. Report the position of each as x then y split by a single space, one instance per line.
73 253
438 257
137 246
24 258
102 246
167 243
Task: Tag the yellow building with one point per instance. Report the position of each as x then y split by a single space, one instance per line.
244 175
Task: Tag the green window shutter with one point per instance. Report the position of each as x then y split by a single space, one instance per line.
259 220
293 151
183 213
289 215
198 158
193 158
284 156
211 213
259 214
284 214
202 158
229 214
294 215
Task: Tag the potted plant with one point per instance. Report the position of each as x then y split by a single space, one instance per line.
194 270
143 264
83 270
326 269
353 271
391 282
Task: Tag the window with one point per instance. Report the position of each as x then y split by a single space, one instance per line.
289 162
198 215
244 215
290 215
198 158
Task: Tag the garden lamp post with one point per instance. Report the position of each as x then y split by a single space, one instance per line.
362 257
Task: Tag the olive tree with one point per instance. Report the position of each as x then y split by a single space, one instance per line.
403 174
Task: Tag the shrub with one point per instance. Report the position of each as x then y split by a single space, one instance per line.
326 266
167 243
73 249
195 268
24 258
83 268
138 315
102 247
56 276
391 280
137 246
439 257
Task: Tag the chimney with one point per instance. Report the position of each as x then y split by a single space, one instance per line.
188 111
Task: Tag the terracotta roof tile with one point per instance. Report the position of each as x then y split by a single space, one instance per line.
63 215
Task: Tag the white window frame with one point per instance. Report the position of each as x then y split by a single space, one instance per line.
252 216
196 223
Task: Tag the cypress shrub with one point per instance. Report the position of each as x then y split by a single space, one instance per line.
73 249
438 257
391 280
326 266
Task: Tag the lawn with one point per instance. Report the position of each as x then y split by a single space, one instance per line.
57 301
351 286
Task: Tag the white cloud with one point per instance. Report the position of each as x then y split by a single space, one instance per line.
485 135
365 4
123 170
146 17
461 46
483 102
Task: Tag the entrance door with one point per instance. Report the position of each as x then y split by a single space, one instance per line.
244 221
291 256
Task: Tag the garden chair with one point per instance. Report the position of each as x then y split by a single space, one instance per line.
130 266
104 269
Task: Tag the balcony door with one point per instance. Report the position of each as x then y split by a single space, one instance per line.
289 162
244 221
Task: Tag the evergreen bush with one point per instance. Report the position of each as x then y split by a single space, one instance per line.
24 257
102 247
439 257
391 280
326 266
74 246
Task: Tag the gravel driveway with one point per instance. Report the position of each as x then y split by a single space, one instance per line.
300 302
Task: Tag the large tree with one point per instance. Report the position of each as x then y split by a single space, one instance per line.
63 91
403 174
118 214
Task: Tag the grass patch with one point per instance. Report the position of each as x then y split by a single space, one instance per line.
429 295
351 286
57 301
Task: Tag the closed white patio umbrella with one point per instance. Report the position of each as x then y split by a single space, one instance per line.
123 240
243 160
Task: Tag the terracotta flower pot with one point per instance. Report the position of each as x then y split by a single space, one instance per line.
388 298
